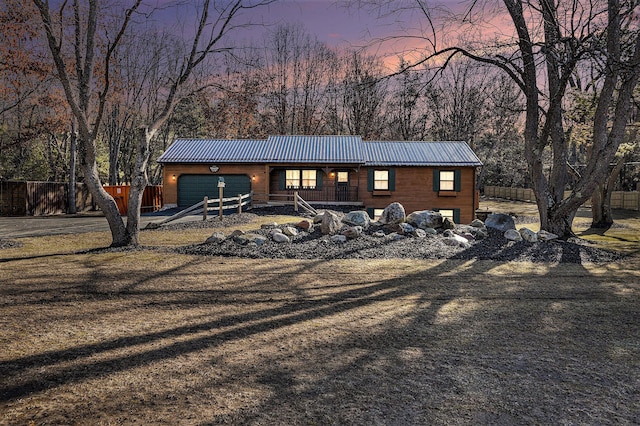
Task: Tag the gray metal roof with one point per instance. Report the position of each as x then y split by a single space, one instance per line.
315 149
320 150
404 153
214 151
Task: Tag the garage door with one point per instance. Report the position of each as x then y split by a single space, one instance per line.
193 188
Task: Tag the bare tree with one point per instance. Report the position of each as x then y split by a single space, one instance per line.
550 40
87 96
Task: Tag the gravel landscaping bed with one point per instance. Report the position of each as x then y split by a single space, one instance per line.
7 244
314 245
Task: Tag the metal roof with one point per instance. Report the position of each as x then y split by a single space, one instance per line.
405 153
315 149
320 150
214 150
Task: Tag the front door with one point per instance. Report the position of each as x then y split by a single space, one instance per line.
342 186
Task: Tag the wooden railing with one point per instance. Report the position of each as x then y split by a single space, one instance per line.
217 204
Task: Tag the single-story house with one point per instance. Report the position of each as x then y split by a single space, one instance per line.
327 170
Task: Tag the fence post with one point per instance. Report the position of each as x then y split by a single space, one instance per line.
220 203
205 207
239 203
295 201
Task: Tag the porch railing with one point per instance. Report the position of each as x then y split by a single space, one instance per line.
329 193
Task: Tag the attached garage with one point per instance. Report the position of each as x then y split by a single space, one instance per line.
193 188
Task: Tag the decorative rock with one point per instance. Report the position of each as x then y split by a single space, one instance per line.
237 233
275 231
280 238
448 223
546 236
352 232
456 240
430 231
379 234
339 239
394 236
477 223
306 225
528 235
268 225
448 233
512 235
499 221
290 231
406 228
419 233
357 218
425 219
217 237
318 218
330 223
244 239
477 232
393 213
467 236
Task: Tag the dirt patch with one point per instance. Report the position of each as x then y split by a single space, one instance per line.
146 337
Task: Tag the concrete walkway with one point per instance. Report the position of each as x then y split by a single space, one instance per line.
35 226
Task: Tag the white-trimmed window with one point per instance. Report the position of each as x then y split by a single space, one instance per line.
377 214
342 177
447 180
381 180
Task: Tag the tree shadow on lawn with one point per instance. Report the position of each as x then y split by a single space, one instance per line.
441 328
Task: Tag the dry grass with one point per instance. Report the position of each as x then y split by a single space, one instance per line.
142 337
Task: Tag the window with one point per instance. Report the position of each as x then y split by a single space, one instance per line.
301 179
377 214
309 179
447 181
292 179
381 180
447 213
342 177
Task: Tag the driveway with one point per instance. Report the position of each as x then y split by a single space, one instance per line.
35 226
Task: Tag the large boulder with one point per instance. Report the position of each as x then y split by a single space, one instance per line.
528 235
306 225
289 231
424 219
330 223
357 218
456 241
352 232
279 237
448 223
216 238
501 222
512 235
244 239
546 236
393 213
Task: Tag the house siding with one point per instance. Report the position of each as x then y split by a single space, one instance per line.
258 174
414 189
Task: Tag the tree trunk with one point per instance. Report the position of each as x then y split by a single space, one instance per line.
139 182
72 170
601 199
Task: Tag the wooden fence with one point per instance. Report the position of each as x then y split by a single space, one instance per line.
41 198
19 198
628 200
